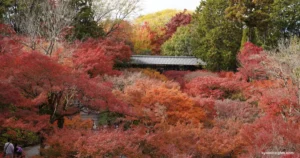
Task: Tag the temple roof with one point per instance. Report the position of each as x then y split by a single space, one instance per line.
165 60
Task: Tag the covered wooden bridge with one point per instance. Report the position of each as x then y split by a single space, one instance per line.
166 62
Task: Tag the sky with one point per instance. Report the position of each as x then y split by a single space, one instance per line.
151 6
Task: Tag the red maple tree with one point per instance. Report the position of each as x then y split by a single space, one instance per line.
97 57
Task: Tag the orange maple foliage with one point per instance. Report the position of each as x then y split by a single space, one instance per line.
154 74
161 102
76 122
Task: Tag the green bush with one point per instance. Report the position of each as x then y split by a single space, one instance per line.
19 136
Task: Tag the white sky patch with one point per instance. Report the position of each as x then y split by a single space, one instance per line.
151 6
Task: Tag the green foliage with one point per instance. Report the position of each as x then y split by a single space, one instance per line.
179 44
4 6
52 151
111 118
215 39
108 118
252 14
19 136
84 24
266 21
285 19
245 36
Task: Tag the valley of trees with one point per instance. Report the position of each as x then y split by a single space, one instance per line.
58 58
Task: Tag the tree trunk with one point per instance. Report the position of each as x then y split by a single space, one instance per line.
60 122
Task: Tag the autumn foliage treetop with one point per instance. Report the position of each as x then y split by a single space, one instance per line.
97 57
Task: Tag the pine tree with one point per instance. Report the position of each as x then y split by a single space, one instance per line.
215 39
84 24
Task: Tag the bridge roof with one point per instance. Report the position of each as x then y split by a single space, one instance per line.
165 60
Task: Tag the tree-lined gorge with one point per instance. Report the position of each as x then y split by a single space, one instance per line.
58 58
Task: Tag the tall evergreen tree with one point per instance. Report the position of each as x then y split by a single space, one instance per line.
286 17
254 15
215 40
266 21
84 22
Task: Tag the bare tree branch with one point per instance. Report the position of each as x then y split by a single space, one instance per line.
110 13
44 20
285 62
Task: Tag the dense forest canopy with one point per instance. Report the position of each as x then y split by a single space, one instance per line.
58 58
